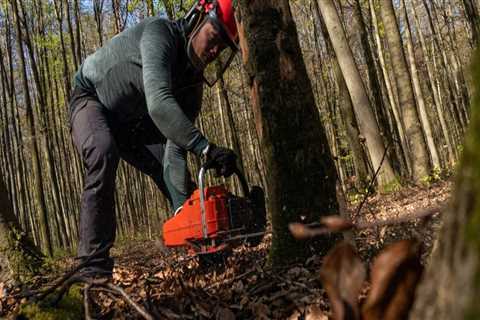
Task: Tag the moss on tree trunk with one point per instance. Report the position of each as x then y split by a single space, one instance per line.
451 286
19 258
301 174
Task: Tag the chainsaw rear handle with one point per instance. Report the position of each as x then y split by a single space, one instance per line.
201 186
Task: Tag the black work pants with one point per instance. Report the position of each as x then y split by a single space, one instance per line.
101 143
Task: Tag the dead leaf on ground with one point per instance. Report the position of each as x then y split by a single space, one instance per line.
394 278
224 314
312 312
3 291
343 274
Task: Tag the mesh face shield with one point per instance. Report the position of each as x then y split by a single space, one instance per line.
217 68
214 70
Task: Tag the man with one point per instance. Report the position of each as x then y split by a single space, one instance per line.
136 99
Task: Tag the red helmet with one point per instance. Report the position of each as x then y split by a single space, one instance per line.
223 12
222 15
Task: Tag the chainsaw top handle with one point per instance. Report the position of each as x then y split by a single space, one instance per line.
241 177
201 185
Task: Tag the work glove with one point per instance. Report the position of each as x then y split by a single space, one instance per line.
223 160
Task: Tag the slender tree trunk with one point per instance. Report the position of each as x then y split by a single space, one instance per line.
76 8
73 45
415 138
116 15
422 110
348 113
228 125
435 93
363 111
98 14
473 17
39 196
446 69
150 8
66 72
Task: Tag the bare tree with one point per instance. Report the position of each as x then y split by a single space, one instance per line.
361 104
413 129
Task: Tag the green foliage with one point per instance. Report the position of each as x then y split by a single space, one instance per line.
51 41
69 308
434 176
62 252
392 186
133 5
460 148
357 197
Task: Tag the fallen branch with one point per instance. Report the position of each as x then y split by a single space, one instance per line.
334 224
45 292
97 284
86 303
227 281
78 279
130 301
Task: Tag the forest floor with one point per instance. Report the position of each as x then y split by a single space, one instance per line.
169 285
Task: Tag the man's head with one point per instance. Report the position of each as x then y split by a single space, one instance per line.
214 30
208 43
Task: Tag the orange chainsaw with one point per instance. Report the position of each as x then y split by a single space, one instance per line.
213 219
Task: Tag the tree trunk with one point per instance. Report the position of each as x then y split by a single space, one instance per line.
98 13
19 259
473 18
435 93
415 138
300 170
363 111
76 60
422 109
401 147
450 287
38 195
76 8
360 158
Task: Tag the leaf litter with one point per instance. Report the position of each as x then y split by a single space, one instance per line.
171 285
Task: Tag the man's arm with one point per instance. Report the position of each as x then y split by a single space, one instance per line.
158 50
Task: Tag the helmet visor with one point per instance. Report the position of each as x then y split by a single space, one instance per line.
217 67
211 49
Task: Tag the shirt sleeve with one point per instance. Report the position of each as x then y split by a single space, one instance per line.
158 50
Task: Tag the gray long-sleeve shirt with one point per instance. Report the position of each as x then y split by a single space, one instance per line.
145 69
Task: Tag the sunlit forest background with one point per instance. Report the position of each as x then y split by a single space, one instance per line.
416 108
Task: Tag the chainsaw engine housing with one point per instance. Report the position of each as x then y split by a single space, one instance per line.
229 219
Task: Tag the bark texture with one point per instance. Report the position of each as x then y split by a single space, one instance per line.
300 170
413 129
451 286
361 103
19 259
